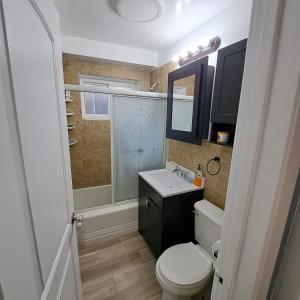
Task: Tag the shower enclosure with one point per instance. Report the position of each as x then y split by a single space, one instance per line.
137 142
130 141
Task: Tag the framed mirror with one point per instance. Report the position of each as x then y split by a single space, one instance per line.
188 103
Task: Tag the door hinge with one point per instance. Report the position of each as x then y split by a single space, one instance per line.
78 219
218 275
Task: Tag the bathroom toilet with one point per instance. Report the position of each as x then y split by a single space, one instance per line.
184 271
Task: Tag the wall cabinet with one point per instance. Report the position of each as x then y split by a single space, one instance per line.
189 102
164 222
227 89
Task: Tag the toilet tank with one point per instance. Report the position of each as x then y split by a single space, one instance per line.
208 224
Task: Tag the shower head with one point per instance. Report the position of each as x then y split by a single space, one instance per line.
153 86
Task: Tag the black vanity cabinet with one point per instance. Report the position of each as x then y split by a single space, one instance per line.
227 89
164 222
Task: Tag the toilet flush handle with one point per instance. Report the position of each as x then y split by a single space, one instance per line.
218 275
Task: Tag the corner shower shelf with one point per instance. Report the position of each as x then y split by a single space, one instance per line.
71 126
68 99
70 112
72 142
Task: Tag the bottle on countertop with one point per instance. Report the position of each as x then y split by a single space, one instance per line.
199 178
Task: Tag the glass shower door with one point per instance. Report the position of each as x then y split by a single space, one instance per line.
138 141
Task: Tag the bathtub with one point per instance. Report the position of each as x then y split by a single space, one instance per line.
92 197
108 222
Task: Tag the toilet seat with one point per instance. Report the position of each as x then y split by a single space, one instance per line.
185 266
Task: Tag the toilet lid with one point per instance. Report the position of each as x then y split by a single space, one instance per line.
184 264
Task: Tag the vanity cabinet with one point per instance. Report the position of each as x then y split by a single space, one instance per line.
164 222
227 89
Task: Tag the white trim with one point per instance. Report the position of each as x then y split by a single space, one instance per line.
108 233
107 80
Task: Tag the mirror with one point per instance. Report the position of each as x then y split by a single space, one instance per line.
188 103
183 100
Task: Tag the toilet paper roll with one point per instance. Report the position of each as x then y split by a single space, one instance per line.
215 249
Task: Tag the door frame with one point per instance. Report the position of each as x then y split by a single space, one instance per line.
257 206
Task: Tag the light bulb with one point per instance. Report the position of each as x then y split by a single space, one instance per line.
178 6
204 42
175 58
183 53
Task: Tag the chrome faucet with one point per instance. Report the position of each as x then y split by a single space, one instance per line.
176 170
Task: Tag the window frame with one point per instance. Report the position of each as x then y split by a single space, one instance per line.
102 82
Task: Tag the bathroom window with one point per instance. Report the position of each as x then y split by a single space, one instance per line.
95 106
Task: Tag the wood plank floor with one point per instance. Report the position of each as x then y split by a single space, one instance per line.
118 269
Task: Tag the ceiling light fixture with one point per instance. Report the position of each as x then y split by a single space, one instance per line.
140 11
186 57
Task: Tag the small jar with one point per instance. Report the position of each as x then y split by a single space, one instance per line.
222 136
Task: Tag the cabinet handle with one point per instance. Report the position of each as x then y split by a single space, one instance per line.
147 203
152 202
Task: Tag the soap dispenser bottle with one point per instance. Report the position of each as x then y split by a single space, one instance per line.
199 179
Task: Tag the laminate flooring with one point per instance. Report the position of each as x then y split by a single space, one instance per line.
118 269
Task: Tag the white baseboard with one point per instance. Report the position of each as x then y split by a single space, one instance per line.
108 233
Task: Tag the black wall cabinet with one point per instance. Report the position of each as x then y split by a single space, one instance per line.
228 82
227 90
199 118
164 222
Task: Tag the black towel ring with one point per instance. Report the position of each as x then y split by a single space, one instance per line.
217 159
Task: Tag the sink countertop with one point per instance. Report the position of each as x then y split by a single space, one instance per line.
167 183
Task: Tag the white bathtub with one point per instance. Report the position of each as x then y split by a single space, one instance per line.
108 222
92 197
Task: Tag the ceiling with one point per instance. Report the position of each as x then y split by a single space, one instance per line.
99 20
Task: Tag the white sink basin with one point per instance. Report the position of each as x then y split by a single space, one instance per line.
167 183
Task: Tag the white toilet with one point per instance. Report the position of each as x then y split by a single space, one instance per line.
184 270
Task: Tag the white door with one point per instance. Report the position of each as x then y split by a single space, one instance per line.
36 158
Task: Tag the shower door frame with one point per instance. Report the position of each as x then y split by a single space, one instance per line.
120 92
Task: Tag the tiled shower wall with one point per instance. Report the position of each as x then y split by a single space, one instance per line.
91 156
189 155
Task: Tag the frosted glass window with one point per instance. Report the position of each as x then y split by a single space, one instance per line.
96 106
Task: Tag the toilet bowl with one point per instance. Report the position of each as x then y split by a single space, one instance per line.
184 270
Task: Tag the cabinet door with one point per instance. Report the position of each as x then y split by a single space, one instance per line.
150 216
153 227
228 82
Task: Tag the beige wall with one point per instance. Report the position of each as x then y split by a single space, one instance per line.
91 156
189 155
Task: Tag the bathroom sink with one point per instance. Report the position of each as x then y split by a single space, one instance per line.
167 183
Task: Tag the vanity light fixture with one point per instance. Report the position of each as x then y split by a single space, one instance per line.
186 57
